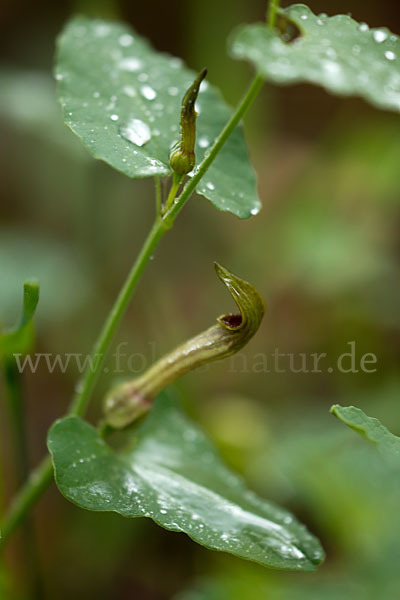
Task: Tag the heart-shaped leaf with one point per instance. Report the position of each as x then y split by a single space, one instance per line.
123 100
173 475
19 339
343 56
369 427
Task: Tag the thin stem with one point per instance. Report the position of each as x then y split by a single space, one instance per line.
93 369
176 182
35 486
16 410
192 183
272 11
42 476
157 183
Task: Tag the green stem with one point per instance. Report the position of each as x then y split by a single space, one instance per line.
92 372
42 476
16 408
17 416
176 182
157 183
35 486
273 8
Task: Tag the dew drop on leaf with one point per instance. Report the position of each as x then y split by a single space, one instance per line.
130 64
204 142
136 131
148 92
390 55
380 36
126 40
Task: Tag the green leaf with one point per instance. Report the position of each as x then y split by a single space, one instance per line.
19 339
341 55
369 427
173 475
123 101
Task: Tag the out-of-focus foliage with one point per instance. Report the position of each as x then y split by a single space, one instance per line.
369 427
325 253
343 56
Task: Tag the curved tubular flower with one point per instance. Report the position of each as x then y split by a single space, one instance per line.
130 400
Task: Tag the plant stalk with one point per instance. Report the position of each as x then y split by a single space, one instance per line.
272 12
41 477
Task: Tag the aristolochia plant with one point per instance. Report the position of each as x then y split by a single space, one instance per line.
147 115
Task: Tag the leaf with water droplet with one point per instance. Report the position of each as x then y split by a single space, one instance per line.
174 475
123 100
341 55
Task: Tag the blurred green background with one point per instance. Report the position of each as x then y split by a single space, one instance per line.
324 252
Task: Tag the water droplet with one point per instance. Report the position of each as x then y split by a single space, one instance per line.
137 132
210 186
304 17
204 142
126 40
331 53
175 63
331 67
114 117
363 27
173 91
130 64
390 55
59 76
129 91
148 92
288 520
163 511
380 36
255 210
102 30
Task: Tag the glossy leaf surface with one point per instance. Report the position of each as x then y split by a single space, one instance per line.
341 55
123 100
173 475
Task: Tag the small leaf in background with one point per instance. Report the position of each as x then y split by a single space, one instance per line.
123 99
341 55
174 476
369 427
19 340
